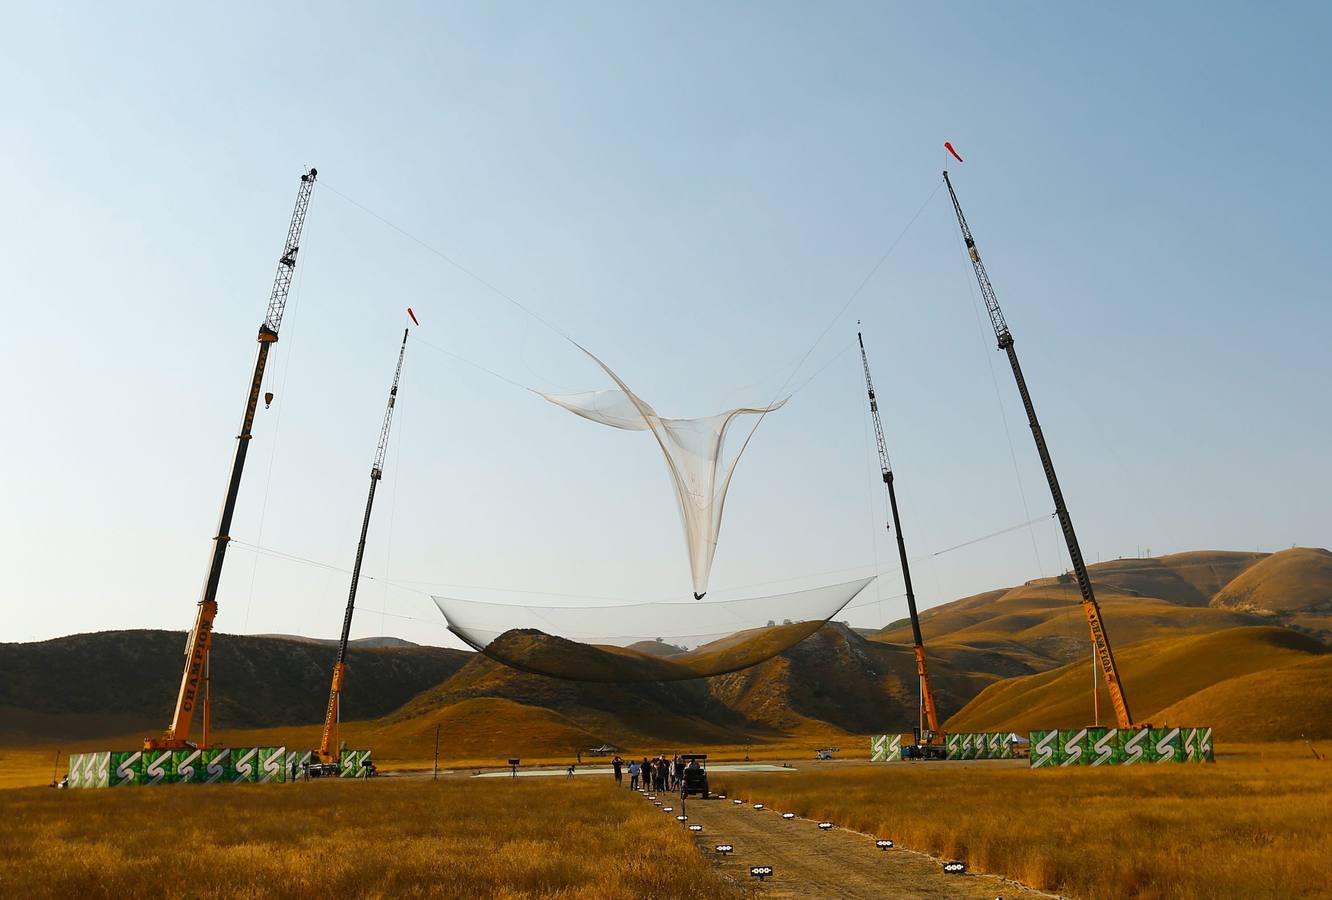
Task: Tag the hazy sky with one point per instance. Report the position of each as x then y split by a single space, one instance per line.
693 191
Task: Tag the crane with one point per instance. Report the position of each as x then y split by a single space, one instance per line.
930 714
1100 640
328 753
200 640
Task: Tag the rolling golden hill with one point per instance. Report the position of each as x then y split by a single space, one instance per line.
1196 635
1291 701
1156 674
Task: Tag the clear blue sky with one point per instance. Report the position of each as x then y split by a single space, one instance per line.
692 191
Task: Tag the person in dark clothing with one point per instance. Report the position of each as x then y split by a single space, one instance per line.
617 765
679 771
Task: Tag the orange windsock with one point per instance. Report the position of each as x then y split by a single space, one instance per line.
413 315
949 147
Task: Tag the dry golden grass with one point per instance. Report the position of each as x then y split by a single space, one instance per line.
447 838
1256 824
1291 580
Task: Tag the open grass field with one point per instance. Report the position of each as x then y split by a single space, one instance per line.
575 840
1256 824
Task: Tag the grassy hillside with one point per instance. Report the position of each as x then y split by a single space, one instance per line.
1288 583
117 682
1156 674
1040 624
1288 702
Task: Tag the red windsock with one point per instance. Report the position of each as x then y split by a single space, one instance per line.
412 314
949 147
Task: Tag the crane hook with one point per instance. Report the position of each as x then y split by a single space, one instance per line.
268 399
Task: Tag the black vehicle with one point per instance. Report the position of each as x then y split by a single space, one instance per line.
695 779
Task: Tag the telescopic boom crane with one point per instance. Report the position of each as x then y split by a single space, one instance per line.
200 641
327 751
1089 605
931 715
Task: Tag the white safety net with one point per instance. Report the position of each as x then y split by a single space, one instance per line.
694 456
593 641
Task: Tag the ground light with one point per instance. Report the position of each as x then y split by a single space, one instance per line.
738 802
760 872
682 818
668 809
955 868
758 805
825 825
656 803
724 849
884 844
695 827
788 815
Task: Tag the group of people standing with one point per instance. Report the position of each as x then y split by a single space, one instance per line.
657 774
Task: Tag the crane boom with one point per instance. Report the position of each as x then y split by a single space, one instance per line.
332 715
200 640
1100 640
931 715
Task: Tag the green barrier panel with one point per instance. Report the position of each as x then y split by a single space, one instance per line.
1205 753
157 767
1167 745
352 763
270 764
953 746
1045 749
1073 747
995 745
1136 744
246 764
126 767
1102 745
96 768
296 762
187 766
886 748
219 766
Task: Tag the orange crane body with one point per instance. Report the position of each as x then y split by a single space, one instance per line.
934 734
193 683
1091 609
328 751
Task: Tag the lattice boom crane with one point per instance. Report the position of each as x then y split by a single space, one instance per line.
886 467
1090 607
328 753
200 640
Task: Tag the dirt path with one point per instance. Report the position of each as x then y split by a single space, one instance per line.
809 863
